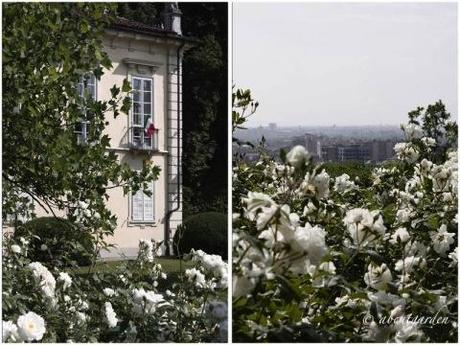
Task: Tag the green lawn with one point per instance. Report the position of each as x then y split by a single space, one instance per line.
169 265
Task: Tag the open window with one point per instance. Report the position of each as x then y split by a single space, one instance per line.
143 133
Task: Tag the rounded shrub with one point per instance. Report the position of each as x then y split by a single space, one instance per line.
57 241
206 231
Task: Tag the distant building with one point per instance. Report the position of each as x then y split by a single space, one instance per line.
329 153
272 126
375 151
313 145
382 150
357 152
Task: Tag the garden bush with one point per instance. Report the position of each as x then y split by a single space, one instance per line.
356 170
44 303
59 241
206 231
324 259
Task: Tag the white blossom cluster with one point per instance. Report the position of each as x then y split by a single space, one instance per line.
125 309
43 278
29 327
288 224
214 265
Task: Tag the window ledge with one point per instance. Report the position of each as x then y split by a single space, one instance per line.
149 224
127 149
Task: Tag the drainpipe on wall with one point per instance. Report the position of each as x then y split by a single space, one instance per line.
168 215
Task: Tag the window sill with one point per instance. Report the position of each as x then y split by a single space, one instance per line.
142 224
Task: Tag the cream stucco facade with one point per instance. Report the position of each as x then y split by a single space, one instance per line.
153 56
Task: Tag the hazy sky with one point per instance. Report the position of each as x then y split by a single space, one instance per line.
345 63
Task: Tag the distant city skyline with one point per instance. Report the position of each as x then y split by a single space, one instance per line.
320 64
281 126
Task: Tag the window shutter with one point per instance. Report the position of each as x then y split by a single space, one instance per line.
148 205
138 204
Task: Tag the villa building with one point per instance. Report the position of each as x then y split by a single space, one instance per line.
150 57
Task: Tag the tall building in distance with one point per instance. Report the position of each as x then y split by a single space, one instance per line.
313 145
369 151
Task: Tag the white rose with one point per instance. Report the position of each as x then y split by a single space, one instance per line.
442 240
412 131
23 240
44 278
16 249
255 201
377 277
321 183
310 240
65 279
195 276
400 234
403 216
408 264
406 329
363 229
31 326
454 256
110 315
298 156
430 142
108 292
10 332
343 184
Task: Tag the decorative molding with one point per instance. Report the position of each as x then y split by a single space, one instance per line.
151 49
142 66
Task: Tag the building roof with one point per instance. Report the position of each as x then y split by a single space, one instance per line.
133 26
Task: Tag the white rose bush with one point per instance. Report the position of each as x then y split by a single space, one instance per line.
326 259
135 302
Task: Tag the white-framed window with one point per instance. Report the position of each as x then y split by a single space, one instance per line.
142 111
86 88
142 206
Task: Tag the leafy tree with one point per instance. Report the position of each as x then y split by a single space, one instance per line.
437 124
204 101
47 49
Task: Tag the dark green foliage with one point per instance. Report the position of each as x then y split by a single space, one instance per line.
354 169
437 124
65 241
204 101
143 12
206 231
205 108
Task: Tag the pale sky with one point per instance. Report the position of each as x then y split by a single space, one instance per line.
345 63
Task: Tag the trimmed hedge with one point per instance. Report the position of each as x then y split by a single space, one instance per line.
67 243
206 231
